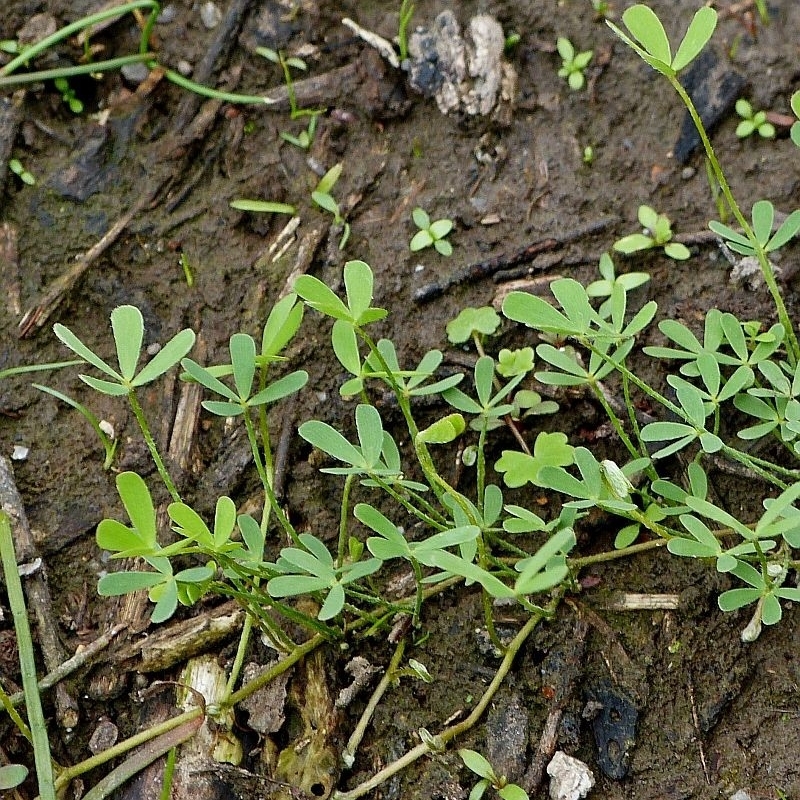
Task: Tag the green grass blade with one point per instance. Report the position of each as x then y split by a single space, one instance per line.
27 661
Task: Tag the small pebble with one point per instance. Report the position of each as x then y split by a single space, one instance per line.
105 735
742 794
135 73
153 348
38 27
687 173
185 68
167 15
210 15
570 779
19 453
107 428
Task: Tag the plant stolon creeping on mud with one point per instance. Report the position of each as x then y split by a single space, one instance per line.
474 536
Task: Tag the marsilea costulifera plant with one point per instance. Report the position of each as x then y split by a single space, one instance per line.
464 532
737 364
227 555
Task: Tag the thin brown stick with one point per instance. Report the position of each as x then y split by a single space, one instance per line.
506 261
36 316
568 678
224 38
696 723
81 658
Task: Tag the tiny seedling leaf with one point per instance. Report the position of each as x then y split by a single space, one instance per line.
484 320
476 763
127 325
633 243
701 29
358 281
536 313
511 791
326 202
78 347
320 297
12 775
421 218
243 360
166 358
330 441
647 29
328 180
786 231
205 378
264 207
421 240
283 387
441 228
763 216
117 583
444 430
281 325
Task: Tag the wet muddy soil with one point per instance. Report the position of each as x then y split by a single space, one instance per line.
658 703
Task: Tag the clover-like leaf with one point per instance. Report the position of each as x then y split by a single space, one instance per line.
484 321
549 450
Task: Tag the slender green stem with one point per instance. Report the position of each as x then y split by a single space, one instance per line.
461 727
85 22
151 446
614 555
275 670
419 595
27 663
267 483
70 72
617 425
206 91
349 754
481 465
68 773
7 373
432 517
12 712
343 519
169 772
793 351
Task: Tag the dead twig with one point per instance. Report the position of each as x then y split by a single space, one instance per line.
81 658
696 723
9 266
505 261
224 38
568 679
36 316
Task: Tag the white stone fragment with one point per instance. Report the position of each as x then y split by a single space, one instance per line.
19 453
570 778
210 15
107 428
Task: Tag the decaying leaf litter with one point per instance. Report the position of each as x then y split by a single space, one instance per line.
127 196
